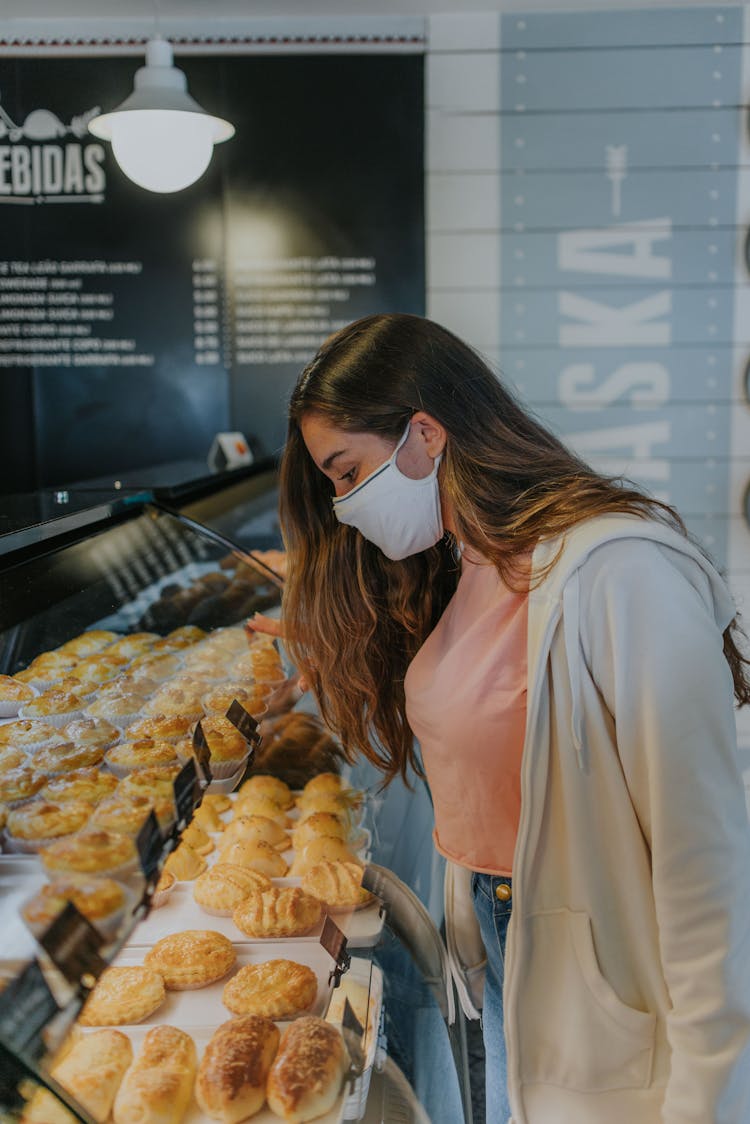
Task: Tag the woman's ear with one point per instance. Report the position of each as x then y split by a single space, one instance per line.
428 430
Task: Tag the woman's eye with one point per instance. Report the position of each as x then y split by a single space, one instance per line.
349 476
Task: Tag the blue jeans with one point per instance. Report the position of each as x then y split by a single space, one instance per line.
493 916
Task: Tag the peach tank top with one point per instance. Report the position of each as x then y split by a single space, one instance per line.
466 705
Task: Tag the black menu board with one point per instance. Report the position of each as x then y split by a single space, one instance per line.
134 326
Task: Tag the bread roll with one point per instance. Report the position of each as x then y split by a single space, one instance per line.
158 1086
93 1070
256 855
323 848
231 1082
307 1073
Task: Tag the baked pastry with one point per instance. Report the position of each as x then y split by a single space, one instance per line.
39 821
100 900
120 710
182 637
363 1004
316 824
163 889
256 829
307 1073
158 1086
185 863
252 698
324 848
161 727
123 996
154 781
132 645
91 732
91 1071
339 804
231 1081
157 665
62 757
279 912
225 742
338 885
94 670
278 989
219 801
206 816
90 784
13 694
55 706
197 838
256 855
192 958
262 784
141 754
90 851
20 783
11 758
174 700
258 804
126 813
89 642
29 734
221 888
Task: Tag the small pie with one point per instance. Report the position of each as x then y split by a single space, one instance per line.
338 885
256 855
98 899
161 727
278 989
14 691
89 642
43 820
52 703
119 709
156 780
90 783
63 757
225 742
183 637
20 783
89 851
95 670
141 754
191 959
134 644
127 814
174 700
11 758
222 887
279 912
255 829
123 995
28 733
262 784
91 732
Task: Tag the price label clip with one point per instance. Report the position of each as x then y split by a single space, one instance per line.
188 794
334 942
151 846
72 944
202 752
28 1006
245 723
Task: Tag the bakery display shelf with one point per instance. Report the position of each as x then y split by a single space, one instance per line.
362 928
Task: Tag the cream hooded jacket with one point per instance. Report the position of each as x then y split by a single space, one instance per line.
627 974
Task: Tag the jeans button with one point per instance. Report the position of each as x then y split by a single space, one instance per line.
503 892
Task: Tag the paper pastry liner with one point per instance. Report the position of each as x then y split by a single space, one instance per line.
222 770
125 770
14 846
9 708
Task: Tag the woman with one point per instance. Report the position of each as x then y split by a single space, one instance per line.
565 658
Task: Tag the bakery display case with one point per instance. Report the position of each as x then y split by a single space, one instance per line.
159 899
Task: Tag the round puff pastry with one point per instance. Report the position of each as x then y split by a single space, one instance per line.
231 1081
278 989
95 670
91 732
256 855
91 784
161 727
279 912
89 851
119 709
159 1084
185 863
14 691
20 783
174 700
134 644
260 805
66 756
28 733
256 829
262 784
52 703
253 699
11 758
321 782
89 642
338 885
182 637
43 820
154 781
191 959
224 886
339 805
157 664
316 824
309 1068
324 848
98 899
142 754
123 996
126 814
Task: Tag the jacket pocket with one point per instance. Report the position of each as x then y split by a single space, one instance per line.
574 1030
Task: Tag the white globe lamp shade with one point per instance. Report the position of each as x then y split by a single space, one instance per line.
161 138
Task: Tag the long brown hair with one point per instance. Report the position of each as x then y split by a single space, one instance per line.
355 619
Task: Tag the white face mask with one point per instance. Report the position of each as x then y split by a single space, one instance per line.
399 515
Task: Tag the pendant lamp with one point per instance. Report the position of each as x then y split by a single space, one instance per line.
161 138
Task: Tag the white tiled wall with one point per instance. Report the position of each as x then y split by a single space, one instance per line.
463 186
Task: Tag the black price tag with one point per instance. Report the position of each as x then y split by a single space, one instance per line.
27 1006
13 1072
150 844
186 786
202 752
334 942
244 721
73 946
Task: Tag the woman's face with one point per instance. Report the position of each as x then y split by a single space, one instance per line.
347 458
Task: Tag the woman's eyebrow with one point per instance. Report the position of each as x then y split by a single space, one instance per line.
331 458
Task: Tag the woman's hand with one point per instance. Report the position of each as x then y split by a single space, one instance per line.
259 622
